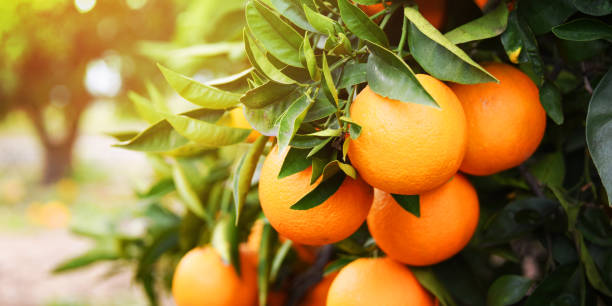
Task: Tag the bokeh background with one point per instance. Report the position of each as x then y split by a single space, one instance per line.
67 70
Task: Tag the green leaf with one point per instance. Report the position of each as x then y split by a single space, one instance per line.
310 60
584 29
277 36
327 133
322 24
263 266
236 83
440 57
542 15
185 190
389 76
550 97
410 203
329 81
144 108
268 93
157 98
360 24
427 278
206 133
353 74
291 120
318 147
522 47
354 128
90 257
552 286
295 161
266 120
507 290
571 210
244 174
292 10
550 169
594 7
198 93
599 131
122 135
305 142
259 60
337 264
490 25
321 193
225 241
591 268
279 257
321 108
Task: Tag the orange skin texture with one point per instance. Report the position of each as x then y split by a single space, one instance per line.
201 278
335 219
317 296
433 10
449 216
377 281
408 148
239 120
506 121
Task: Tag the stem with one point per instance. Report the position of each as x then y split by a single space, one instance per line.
310 277
402 42
587 83
531 181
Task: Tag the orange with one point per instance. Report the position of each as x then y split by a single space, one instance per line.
239 120
408 148
201 278
306 253
433 10
377 281
449 216
506 121
317 296
333 220
481 3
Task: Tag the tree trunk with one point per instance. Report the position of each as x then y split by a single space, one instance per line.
58 161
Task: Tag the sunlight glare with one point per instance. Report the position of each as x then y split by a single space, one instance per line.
84 6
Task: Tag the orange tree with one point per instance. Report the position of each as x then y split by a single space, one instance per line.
465 165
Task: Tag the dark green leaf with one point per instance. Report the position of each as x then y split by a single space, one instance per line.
594 7
244 173
321 193
295 161
389 76
584 29
360 24
550 169
318 147
522 47
259 60
592 273
292 10
198 93
266 120
507 290
305 142
438 56
409 203
428 279
266 94
321 108
277 36
552 286
487 26
550 97
291 120
542 15
206 133
599 131
353 74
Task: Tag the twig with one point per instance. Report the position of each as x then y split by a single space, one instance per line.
587 83
310 277
531 181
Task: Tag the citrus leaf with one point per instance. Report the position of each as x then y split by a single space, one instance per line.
236 83
322 24
594 7
584 29
157 98
244 174
542 15
321 193
89 257
590 267
440 57
428 279
310 60
390 77
144 108
318 147
360 24
267 119
354 128
291 120
122 135
599 131
198 93
507 290
550 97
186 192
410 203
206 133
329 81
305 142
321 108
327 133
269 93
522 47
277 36
292 10
279 257
490 25
295 161
337 264
353 74
259 60
550 169
268 235
225 241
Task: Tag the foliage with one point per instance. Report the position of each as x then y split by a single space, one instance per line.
547 220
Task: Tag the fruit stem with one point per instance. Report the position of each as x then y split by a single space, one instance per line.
402 42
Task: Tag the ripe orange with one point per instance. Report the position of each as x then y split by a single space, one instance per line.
317 296
449 216
481 3
433 10
377 281
201 278
506 121
408 148
335 219
238 120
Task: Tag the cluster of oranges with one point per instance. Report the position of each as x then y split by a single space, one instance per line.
404 148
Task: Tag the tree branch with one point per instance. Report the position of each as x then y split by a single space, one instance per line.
531 181
310 277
